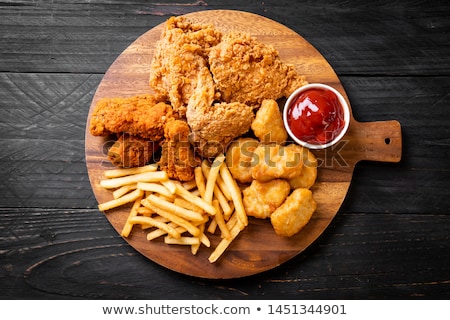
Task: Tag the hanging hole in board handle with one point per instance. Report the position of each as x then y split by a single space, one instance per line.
377 141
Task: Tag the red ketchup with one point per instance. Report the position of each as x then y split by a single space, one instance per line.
316 116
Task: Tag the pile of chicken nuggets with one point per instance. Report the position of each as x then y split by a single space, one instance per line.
216 93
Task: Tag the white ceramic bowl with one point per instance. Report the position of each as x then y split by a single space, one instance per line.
342 102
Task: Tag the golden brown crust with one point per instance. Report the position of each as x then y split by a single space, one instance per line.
294 213
177 156
268 124
141 115
248 71
262 198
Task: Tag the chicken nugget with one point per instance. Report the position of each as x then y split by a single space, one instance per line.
274 161
262 198
308 176
289 218
240 158
268 124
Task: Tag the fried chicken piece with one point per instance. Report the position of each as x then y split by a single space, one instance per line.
260 199
308 176
248 71
268 124
240 158
177 156
131 151
179 55
214 126
275 161
289 218
141 115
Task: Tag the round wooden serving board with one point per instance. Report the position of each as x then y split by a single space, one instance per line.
257 248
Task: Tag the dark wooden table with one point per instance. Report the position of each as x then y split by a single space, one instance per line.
390 239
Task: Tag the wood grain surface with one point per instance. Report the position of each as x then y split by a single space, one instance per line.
257 248
390 237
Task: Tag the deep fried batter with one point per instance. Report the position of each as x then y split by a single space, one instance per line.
308 176
141 115
248 71
275 161
268 124
131 151
240 158
177 156
262 198
294 213
214 125
179 55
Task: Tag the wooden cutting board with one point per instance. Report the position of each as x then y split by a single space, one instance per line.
257 248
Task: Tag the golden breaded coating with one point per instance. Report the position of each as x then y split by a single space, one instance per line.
248 71
179 55
131 151
141 115
274 161
268 124
214 126
240 158
308 176
262 198
289 218
177 156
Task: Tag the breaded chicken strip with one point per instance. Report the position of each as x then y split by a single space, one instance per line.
177 156
262 198
294 213
142 115
179 55
248 71
214 125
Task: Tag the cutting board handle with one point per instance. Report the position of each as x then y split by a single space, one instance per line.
377 141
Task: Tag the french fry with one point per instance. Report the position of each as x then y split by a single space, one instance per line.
172 208
224 244
199 202
192 229
160 232
223 201
212 226
126 230
155 187
182 240
129 197
152 176
187 205
158 224
145 211
220 221
124 190
219 181
189 185
170 185
200 181
120 172
235 194
212 177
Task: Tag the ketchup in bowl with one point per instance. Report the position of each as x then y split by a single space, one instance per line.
316 116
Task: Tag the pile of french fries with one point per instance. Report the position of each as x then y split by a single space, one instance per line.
184 213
